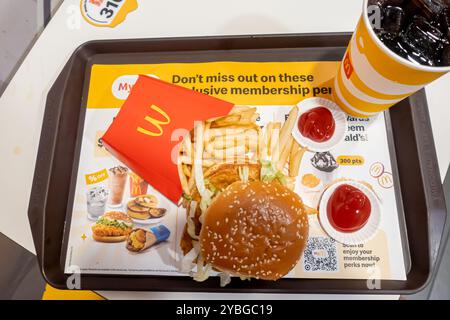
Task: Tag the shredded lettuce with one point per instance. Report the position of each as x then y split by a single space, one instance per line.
113 223
243 173
206 200
225 278
190 221
210 186
187 262
203 271
186 196
269 173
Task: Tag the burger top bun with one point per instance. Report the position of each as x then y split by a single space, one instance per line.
254 229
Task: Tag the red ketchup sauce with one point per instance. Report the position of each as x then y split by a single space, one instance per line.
348 208
317 124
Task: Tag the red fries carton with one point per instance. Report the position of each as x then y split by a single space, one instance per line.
146 133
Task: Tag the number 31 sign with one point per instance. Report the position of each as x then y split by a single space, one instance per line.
106 13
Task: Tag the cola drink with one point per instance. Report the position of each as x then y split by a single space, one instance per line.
417 30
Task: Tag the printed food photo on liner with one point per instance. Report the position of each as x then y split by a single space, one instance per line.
116 218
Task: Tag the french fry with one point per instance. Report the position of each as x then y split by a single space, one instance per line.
259 137
262 137
290 182
208 153
191 182
248 114
265 144
226 131
185 159
186 171
225 154
236 160
198 158
269 138
310 210
236 140
183 179
251 142
206 133
274 142
225 142
246 122
286 130
285 154
208 162
239 109
243 160
227 120
254 117
295 158
209 147
186 148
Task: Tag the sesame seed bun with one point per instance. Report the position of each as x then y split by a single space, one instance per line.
254 229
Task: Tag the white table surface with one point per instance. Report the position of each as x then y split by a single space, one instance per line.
22 104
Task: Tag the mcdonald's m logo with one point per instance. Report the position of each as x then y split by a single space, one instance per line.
157 124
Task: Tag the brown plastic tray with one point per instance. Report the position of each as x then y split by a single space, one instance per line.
421 204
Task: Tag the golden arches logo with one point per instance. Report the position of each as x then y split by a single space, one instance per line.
156 123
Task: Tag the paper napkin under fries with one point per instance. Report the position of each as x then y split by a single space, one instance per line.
146 133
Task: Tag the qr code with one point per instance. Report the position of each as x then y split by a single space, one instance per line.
320 255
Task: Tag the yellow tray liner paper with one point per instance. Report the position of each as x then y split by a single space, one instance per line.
273 88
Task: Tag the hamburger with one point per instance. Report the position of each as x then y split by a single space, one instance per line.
113 226
217 178
254 229
251 227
